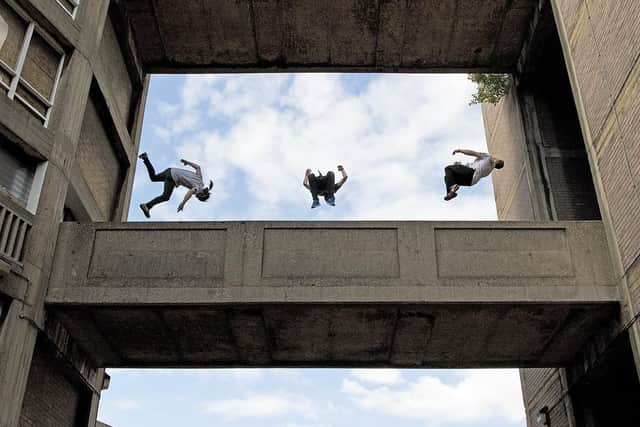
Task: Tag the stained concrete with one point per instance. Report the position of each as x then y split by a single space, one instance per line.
428 294
325 35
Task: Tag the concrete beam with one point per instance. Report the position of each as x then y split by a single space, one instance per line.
313 35
332 294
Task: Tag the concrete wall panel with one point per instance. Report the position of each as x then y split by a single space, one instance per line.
158 254
520 207
505 136
503 253
330 253
570 9
98 160
117 77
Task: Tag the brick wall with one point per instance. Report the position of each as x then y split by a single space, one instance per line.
51 400
544 387
604 40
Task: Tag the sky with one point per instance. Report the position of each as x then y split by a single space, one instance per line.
254 135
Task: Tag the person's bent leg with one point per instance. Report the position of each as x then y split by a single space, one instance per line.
330 184
153 176
449 178
165 196
314 186
463 175
330 188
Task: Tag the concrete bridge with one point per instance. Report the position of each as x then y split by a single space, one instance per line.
412 294
328 35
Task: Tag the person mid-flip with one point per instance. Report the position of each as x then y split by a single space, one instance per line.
323 185
172 178
457 174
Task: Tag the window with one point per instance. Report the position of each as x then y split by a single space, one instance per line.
17 173
5 302
30 62
70 6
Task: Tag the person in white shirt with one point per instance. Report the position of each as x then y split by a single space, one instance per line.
457 174
175 177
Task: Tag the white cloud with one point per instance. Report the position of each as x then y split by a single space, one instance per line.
378 376
256 134
125 404
479 395
262 405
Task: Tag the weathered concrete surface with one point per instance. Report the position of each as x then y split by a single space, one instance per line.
326 35
88 66
332 294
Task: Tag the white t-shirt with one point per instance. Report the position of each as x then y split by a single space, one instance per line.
188 179
482 167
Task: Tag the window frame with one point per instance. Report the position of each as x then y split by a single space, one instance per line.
76 5
16 75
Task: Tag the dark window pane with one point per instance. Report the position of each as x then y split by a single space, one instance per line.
16 172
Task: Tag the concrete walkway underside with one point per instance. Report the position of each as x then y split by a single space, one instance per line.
328 35
415 294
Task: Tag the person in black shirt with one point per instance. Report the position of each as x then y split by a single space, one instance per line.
323 185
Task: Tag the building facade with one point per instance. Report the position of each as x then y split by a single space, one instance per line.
71 102
72 93
569 132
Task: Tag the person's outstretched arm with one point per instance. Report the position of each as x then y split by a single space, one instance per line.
469 152
344 177
187 196
305 181
188 163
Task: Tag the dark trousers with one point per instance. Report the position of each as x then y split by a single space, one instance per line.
164 176
457 174
324 185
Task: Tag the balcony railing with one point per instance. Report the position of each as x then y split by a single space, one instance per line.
14 232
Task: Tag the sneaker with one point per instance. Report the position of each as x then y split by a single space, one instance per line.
315 204
450 196
143 156
331 200
145 210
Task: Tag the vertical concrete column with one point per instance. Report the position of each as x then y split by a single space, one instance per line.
25 318
122 211
629 310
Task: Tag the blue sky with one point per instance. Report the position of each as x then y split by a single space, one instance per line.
254 135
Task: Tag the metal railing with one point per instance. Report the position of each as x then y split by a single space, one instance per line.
14 232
